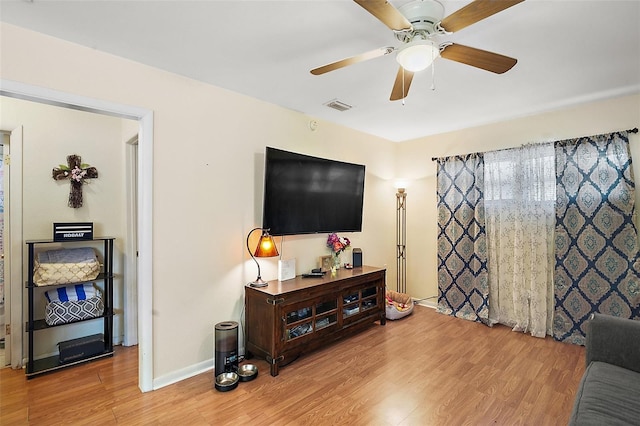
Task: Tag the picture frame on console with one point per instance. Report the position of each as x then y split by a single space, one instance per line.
325 262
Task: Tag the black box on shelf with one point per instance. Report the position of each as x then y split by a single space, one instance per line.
72 231
83 347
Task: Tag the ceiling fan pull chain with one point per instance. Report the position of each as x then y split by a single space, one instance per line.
404 94
433 74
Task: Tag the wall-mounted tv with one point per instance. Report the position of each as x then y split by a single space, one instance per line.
305 194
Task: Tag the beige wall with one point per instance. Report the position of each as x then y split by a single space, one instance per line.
208 147
414 163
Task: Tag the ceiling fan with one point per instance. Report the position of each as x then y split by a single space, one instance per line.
416 25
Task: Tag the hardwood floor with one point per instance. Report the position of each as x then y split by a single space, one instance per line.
425 369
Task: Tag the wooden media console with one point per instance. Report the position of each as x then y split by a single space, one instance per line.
288 318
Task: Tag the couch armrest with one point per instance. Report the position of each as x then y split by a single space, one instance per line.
613 340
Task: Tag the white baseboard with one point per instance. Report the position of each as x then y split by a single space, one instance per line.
430 303
187 372
183 373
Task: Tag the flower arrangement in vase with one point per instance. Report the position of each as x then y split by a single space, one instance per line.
337 246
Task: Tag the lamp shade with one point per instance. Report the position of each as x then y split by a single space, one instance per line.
417 55
266 246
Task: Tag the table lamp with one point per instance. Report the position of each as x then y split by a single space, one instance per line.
266 248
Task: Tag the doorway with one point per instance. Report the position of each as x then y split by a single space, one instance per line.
144 189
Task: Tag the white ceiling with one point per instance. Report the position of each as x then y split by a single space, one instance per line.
568 52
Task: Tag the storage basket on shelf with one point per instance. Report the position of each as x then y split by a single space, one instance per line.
65 266
73 303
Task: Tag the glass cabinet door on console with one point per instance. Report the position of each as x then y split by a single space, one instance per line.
298 322
357 301
350 304
311 317
369 298
326 314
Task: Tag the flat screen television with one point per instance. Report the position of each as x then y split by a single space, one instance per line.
305 194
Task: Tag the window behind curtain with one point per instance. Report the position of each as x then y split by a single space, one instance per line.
520 198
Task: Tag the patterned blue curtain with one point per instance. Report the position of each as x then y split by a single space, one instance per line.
463 283
596 241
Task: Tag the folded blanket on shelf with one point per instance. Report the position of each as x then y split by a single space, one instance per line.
71 293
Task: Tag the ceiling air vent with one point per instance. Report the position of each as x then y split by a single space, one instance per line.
337 105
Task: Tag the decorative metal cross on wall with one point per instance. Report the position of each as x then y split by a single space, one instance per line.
78 174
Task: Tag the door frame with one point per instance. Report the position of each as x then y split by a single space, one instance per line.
130 299
144 117
13 248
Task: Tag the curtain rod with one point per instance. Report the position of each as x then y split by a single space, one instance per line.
634 130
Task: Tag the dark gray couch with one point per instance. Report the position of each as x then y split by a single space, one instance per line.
609 393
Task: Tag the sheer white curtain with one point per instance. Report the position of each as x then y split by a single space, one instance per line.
519 201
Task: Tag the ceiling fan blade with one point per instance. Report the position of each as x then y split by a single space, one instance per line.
478 58
386 13
352 60
401 86
475 11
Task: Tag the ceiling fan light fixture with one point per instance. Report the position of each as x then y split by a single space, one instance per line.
417 55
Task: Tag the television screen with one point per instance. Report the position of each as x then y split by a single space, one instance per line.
304 194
